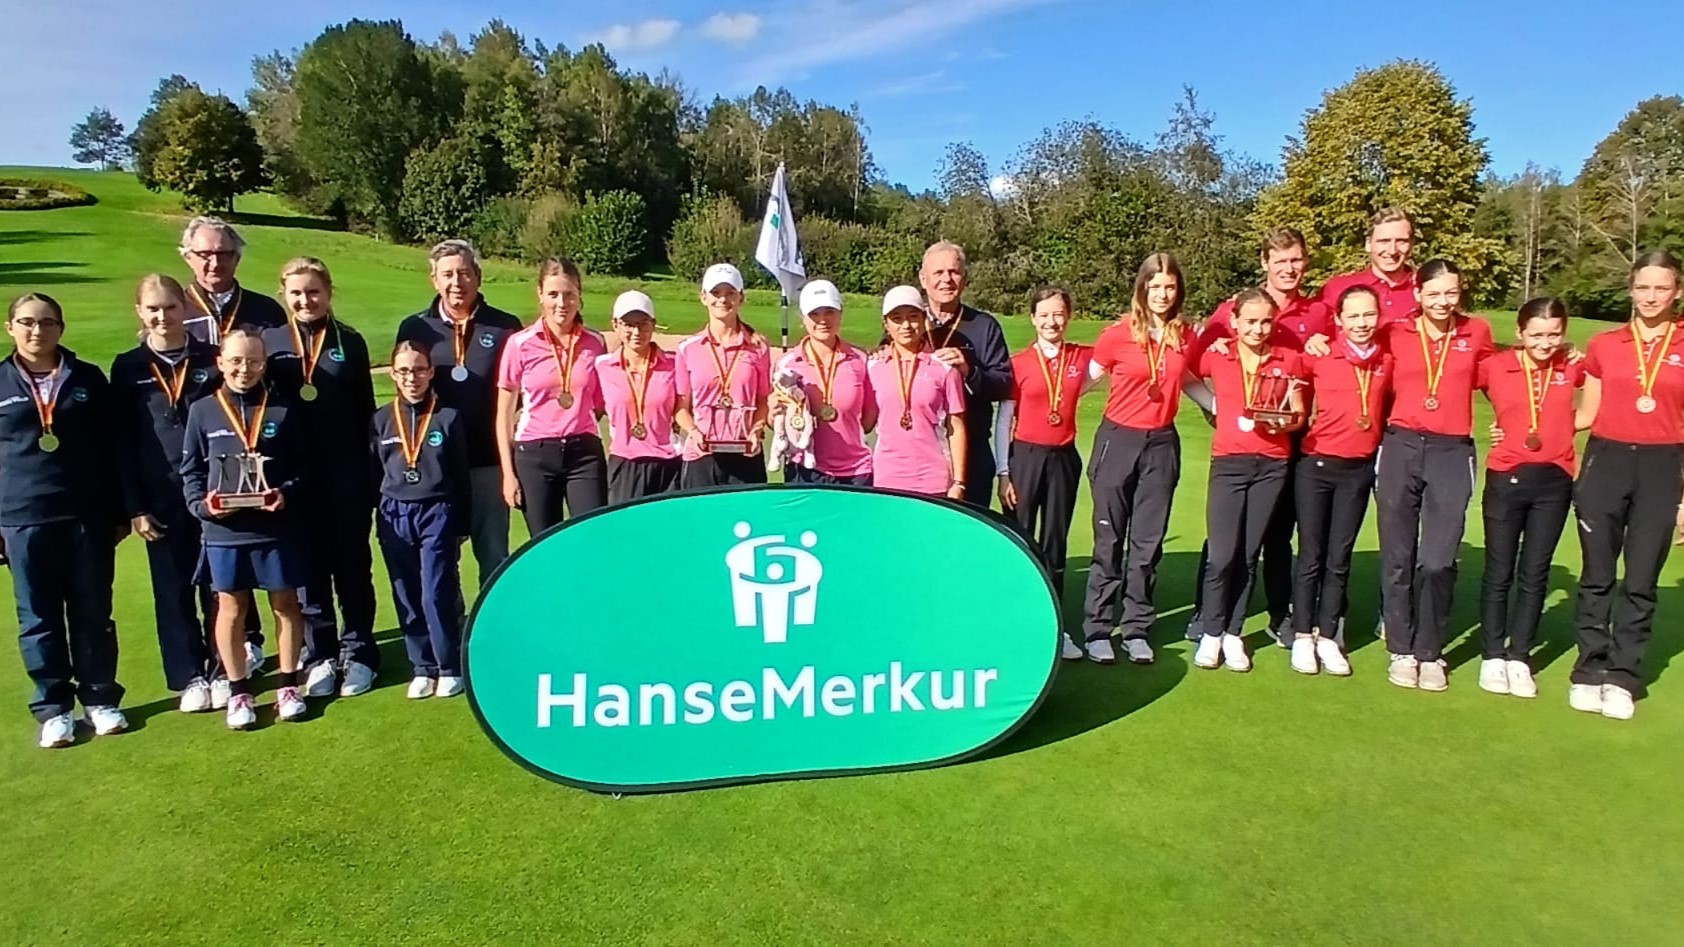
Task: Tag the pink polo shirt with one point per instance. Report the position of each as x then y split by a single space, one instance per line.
914 460
839 447
529 367
747 368
659 400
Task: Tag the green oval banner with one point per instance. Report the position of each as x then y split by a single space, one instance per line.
748 634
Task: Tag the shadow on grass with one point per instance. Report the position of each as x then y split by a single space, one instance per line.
37 236
283 220
42 271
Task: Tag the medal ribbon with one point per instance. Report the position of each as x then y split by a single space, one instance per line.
1365 381
1434 374
640 393
1155 351
204 302
310 354
1053 374
1249 380
44 407
460 328
564 366
952 330
411 446
248 435
171 389
1645 375
906 380
1536 391
827 373
723 368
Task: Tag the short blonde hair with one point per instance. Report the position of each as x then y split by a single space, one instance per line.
168 284
302 265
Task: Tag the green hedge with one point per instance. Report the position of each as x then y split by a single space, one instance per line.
33 194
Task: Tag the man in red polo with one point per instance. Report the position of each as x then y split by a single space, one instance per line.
1391 238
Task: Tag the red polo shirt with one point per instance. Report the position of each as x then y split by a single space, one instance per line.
1612 358
1397 300
1469 341
1279 366
1128 403
1300 319
1029 390
1338 399
1504 381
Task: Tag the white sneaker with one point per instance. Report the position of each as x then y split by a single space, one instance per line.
289 704
1585 697
449 687
195 697
1068 650
1431 677
106 720
423 687
321 681
1139 651
242 712
1304 655
1332 660
1404 670
1617 702
1209 653
1521 683
359 680
58 731
1101 652
1494 676
1234 657
219 692
254 659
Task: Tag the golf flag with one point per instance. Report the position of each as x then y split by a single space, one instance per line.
778 250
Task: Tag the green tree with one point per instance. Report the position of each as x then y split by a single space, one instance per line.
1392 136
272 102
148 137
444 188
1633 184
99 139
710 229
209 151
608 234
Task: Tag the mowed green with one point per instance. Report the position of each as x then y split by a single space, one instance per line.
1154 804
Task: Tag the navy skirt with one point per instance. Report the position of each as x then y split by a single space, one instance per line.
272 567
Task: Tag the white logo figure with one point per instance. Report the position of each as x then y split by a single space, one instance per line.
773 584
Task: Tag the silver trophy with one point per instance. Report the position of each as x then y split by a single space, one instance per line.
727 428
245 471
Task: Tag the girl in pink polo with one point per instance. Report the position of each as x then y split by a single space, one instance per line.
548 402
639 392
838 387
723 375
921 445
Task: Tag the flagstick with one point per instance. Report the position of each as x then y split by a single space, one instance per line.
783 300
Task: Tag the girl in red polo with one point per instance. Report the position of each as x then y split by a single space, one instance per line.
1528 489
920 406
1259 403
1334 477
1035 434
1627 497
1426 472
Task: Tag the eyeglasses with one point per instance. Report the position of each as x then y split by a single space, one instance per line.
411 372
29 324
241 361
205 256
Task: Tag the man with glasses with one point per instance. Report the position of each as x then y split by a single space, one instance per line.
216 302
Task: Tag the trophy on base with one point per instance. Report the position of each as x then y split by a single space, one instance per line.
251 486
726 431
1271 402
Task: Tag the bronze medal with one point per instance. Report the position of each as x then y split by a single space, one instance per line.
1431 403
1534 442
639 431
1364 424
724 403
565 399
827 412
412 476
1055 419
1154 393
906 421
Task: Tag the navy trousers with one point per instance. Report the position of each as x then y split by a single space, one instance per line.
61 577
185 613
420 550
342 567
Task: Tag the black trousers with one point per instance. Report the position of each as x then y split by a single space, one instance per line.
1277 570
720 470
1525 510
796 473
341 567
979 468
1132 474
1046 480
184 613
630 478
1425 483
552 470
61 582
1331 501
1627 500
1238 508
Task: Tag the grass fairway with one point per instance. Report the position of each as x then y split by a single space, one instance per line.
1146 805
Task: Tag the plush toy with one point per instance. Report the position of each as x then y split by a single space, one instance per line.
792 430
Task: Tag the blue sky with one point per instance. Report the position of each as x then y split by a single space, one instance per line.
1548 79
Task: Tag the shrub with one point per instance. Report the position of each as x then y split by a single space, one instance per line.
547 223
608 234
710 229
32 194
444 189
498 228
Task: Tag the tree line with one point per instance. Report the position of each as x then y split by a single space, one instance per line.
532 151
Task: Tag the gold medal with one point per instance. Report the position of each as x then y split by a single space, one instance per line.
310 353
827 377
724 370
1052 372
307 392
47 442
1364 424
1435 373
724 403
44 407
797 422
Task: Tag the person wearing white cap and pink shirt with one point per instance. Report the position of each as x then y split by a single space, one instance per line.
921 447
723 375
548 401
639 393
839 397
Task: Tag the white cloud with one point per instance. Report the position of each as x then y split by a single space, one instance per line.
732 27
639 37
927 83
1002 186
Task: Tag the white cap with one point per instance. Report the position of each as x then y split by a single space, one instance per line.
632 301
722 273
820 294
903 296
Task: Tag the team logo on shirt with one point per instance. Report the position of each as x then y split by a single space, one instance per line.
1462 345
200 376
435 438
79 394
270 429
773 584
337 355
487 341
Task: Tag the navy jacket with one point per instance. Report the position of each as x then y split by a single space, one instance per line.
245 309
150 431
441 462
337 421
211 436
79 479
475 399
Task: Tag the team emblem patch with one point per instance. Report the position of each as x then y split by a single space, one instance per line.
200 376
79 394
487 340
435 438
337 355
270 429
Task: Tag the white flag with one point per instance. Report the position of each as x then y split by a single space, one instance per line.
778 251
